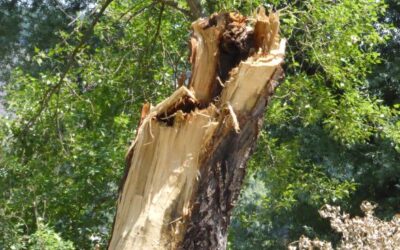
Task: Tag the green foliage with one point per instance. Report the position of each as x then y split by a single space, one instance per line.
46 239
28 25
331 133
70 160
329 137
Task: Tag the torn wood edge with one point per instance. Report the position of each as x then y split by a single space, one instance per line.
265 56
204 56
216 166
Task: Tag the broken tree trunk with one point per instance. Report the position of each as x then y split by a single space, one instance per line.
186 166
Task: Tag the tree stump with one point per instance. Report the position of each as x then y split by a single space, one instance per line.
186 166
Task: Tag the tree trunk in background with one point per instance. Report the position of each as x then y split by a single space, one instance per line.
186 166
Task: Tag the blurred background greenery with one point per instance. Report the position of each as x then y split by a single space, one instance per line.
331 133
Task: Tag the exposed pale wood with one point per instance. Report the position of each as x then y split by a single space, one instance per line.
186 166
159 185
204 58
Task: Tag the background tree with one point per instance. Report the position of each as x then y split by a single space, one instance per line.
331 135
27 25
331 139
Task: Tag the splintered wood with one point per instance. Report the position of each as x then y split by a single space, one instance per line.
186 166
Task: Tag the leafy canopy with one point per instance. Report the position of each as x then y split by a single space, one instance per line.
331 133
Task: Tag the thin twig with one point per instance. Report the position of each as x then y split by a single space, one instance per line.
59 6
175 5
287 6
140 11
153 42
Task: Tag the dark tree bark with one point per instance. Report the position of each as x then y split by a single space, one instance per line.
186 166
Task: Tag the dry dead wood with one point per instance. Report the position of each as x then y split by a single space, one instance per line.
186 166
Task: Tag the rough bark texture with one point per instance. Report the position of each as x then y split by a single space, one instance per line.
186 166
222 170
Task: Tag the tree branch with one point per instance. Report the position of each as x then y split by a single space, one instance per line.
69 61
195 8
159 21
175 5
140 11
